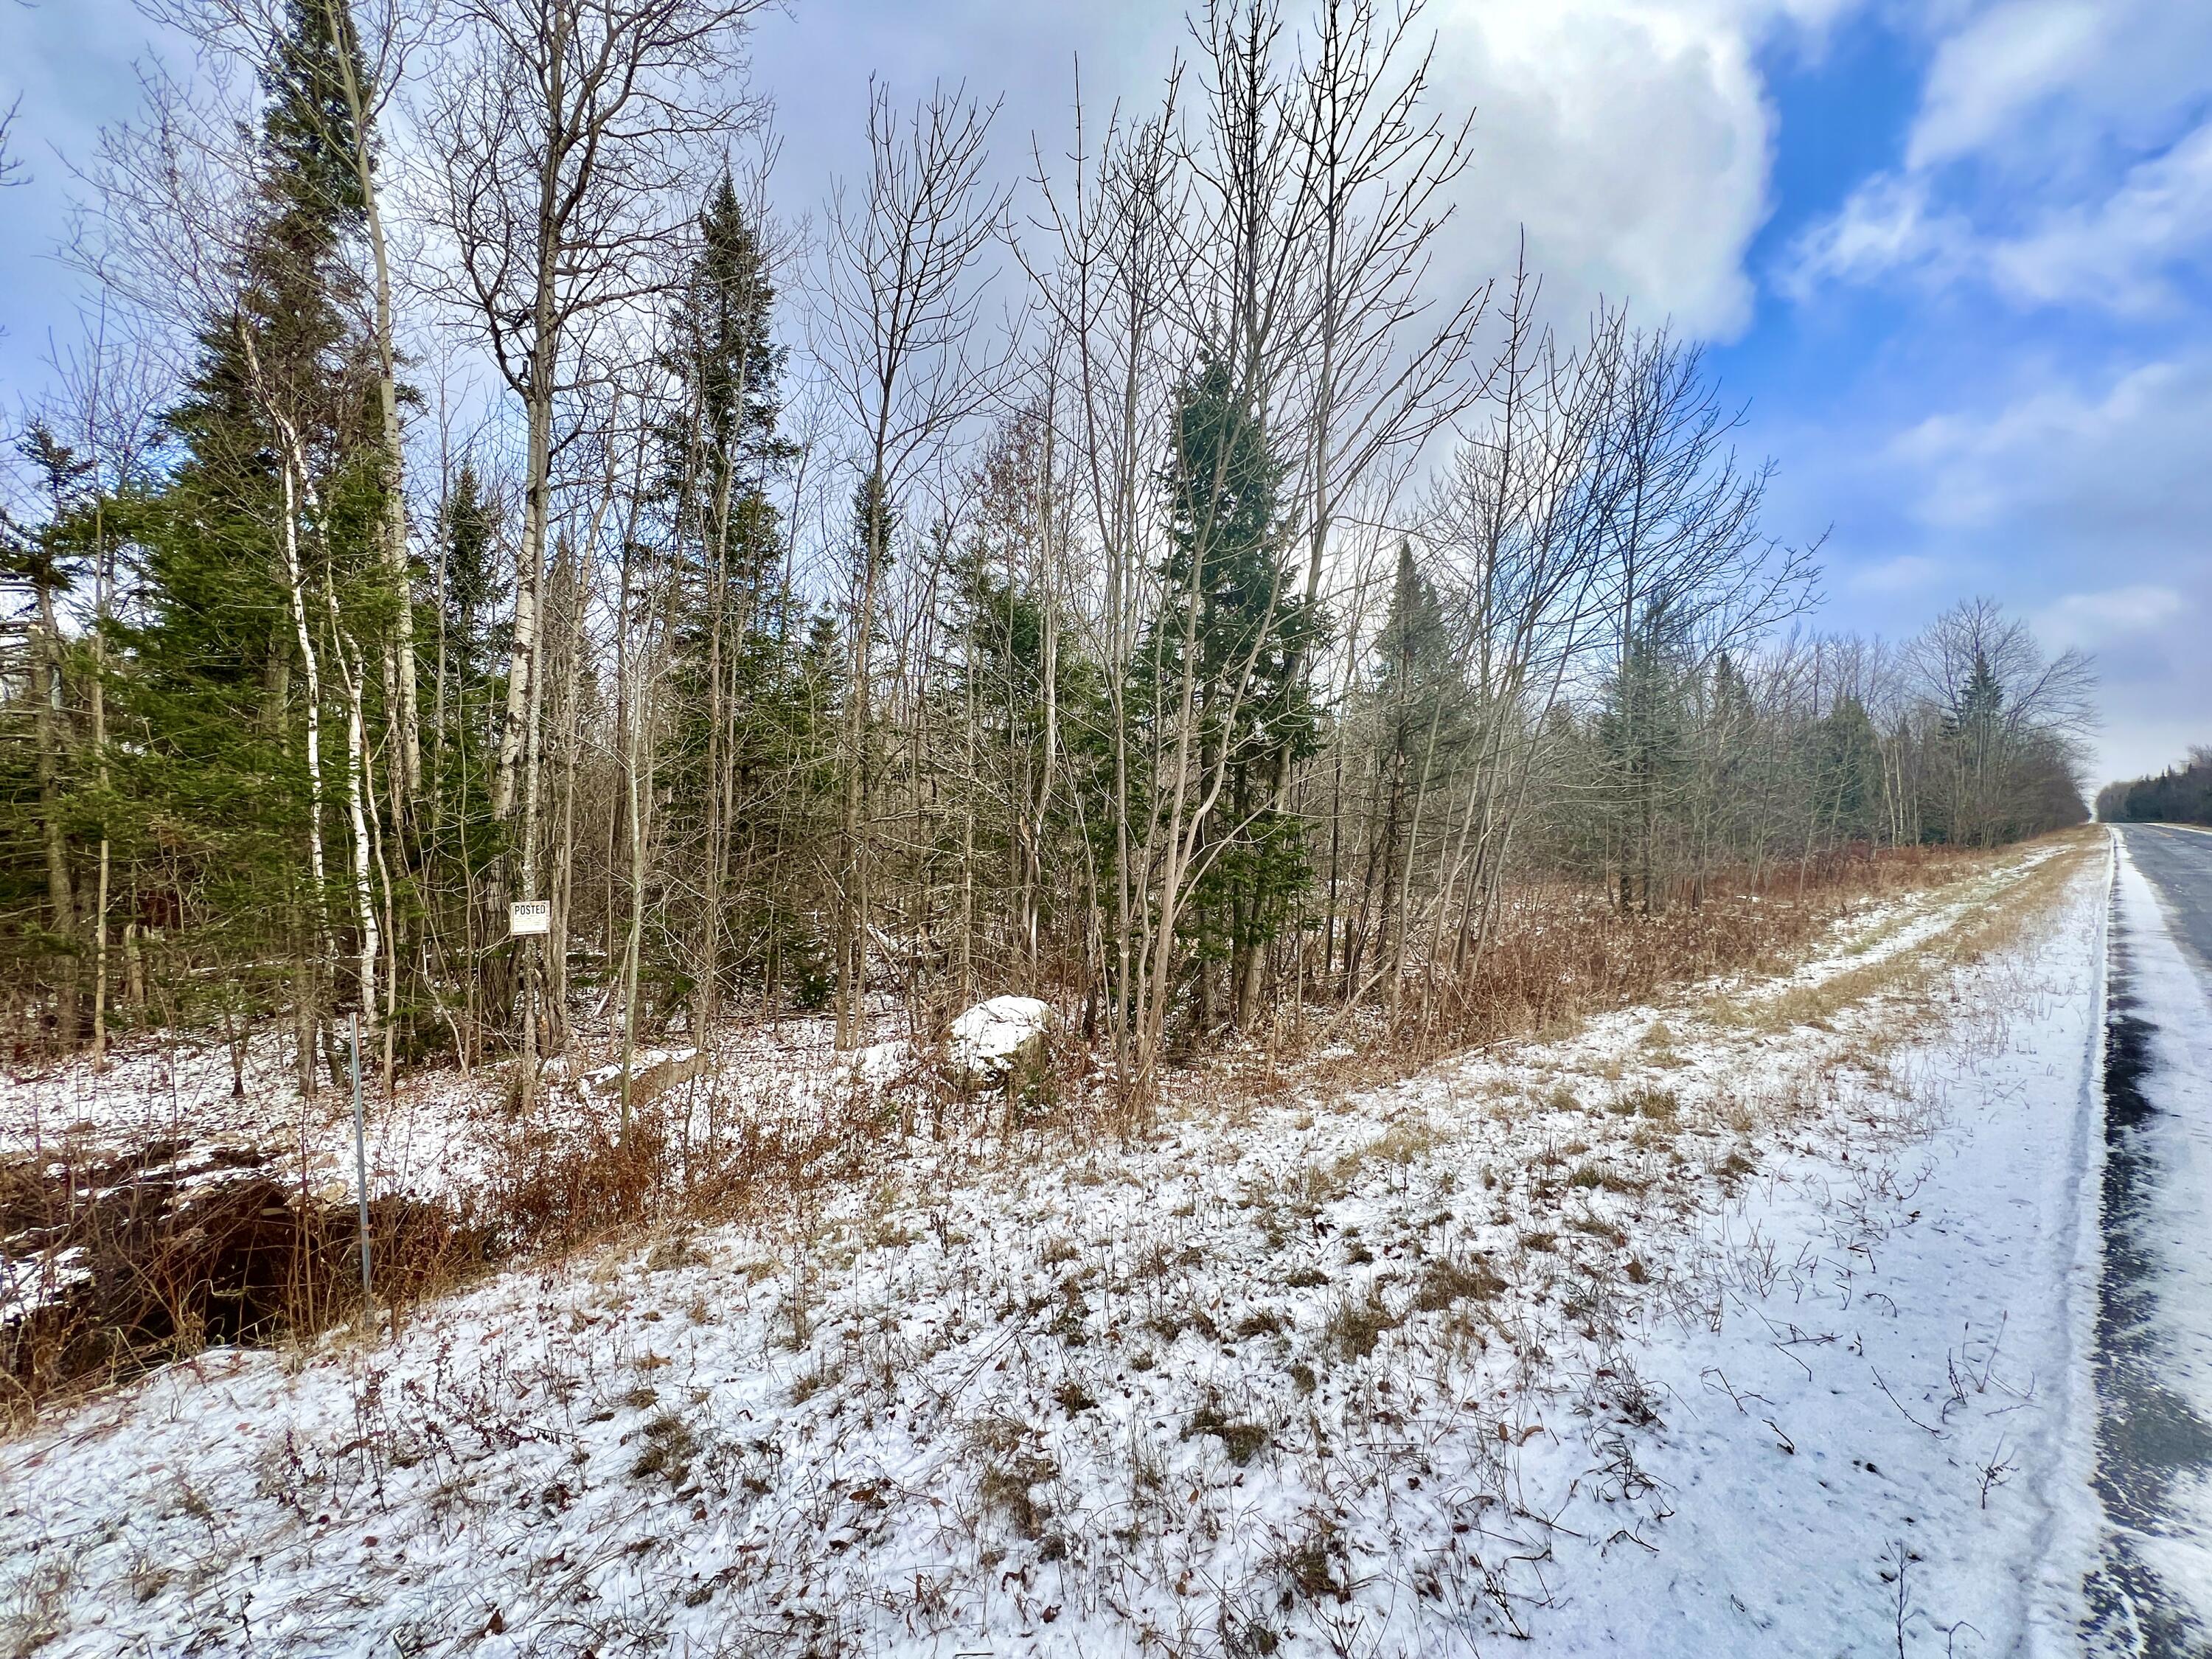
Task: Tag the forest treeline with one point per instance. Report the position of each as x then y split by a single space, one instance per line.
2180 794
1158 598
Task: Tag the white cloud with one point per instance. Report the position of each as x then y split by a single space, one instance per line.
2031 85
2002 63
1888 224
1908 573
2118 252
2110 463
2092 500
1633 138
2093 620
2054 158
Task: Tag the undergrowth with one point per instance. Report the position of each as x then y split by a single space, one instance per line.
1046 1367
117 1287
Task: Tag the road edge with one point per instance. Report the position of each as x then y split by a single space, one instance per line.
2074 1526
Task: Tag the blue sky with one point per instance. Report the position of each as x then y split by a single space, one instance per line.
1957 254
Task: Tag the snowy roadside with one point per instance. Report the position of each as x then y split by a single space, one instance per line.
198 1109
1418 1369
1879 1426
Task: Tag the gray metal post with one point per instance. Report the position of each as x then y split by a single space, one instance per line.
361 1159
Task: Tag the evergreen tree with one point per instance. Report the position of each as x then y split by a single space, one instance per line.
259 574
1420 699
1847 773
1233 629
2180 794
1029 707
473 582
461 841
737 756
46 560
1645 734
719 446
1737 786
1971 737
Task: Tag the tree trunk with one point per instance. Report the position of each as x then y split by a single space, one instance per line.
61 898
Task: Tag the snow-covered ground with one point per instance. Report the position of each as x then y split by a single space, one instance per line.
1879 1438
1754 1323
442 1133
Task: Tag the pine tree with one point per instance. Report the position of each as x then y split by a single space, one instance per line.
1233 629
731 760
1420 699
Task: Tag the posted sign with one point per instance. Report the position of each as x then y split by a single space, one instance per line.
529 917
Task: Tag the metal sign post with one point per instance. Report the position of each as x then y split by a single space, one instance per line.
361 1161
529 919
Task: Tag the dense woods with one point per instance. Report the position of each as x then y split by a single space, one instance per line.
1159 598
2180 794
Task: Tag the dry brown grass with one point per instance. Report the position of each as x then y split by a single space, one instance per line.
1992 920
1999 923
130 1263
1561 955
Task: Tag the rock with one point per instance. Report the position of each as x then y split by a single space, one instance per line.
654 1072
995 1041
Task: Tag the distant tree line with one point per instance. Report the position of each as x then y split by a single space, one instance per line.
1219 635
2180 794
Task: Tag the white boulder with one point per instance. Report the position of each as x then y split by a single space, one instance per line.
654 1072
994 1040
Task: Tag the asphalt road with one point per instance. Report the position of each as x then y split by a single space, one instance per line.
2178 863
2152 1596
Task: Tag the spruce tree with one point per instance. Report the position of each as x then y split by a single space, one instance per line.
732 756
1971 739
1847 779
1420 700
1233 627
47 559
259 577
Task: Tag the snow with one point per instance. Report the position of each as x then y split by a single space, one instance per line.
30 1282
1888 1370
442 1133
652 1071
1575 1341
991 1039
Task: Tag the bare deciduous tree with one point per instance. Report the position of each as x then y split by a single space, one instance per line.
568 146
894 333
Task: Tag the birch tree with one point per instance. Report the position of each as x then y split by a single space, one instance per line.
568 140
